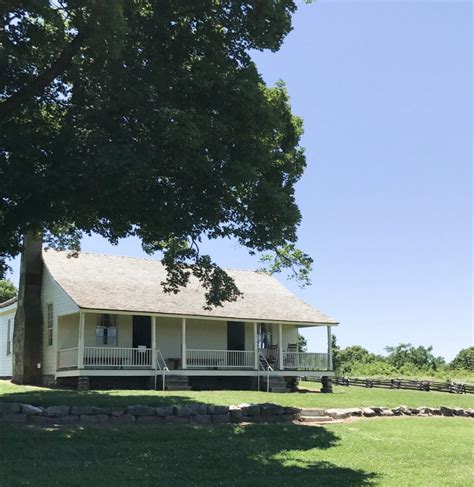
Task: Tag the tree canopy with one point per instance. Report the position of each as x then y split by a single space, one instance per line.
420 356
464 360
302 344
149 119
402 360
7 290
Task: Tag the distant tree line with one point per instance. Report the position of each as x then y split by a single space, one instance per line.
402 360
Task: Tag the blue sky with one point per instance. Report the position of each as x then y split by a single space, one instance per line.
384 89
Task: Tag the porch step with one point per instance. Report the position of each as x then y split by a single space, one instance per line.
276 384
175 383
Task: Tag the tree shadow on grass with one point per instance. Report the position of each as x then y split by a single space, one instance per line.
106 398
44 396
174 455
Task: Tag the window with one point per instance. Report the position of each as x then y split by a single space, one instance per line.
264 338
106 331
9 337
50 324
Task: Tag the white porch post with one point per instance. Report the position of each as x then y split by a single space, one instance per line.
183 343
255 344
329 348
280 346
153 342
80 341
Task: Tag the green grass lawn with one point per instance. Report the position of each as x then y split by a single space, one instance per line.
342 397
398 452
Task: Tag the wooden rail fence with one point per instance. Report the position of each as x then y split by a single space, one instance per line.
406 384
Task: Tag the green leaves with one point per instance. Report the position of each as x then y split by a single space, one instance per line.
7 290
289 258
406 353
464 360
149 119
183 260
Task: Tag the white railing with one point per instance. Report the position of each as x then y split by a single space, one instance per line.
117 357
162 367
217 359
264 366
67 358
305 361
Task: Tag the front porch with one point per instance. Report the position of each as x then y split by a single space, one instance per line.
95 343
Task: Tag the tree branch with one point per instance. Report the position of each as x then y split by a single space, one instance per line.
8 107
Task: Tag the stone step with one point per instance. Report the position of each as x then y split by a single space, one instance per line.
279 389
313 412
316 419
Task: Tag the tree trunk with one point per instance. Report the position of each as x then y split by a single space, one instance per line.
28 335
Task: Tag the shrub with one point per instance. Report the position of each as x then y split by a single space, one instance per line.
7 290
464 360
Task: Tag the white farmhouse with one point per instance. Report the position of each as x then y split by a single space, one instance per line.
107 321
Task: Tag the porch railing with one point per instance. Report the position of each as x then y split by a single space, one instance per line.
117 357
67 358
217 359
120 357
305 361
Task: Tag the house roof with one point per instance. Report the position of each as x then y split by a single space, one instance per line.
106 282
8 302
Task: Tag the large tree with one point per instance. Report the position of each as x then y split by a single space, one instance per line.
145 118
464 359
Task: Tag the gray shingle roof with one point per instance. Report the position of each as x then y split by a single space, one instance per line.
8 302
105 282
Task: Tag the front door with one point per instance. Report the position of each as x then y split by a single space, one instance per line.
235 335
141 331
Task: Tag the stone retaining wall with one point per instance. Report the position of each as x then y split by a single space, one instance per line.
398 411
198 413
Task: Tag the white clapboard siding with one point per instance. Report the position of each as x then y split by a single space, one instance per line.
51 292
7 313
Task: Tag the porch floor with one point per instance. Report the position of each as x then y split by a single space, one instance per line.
116 372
